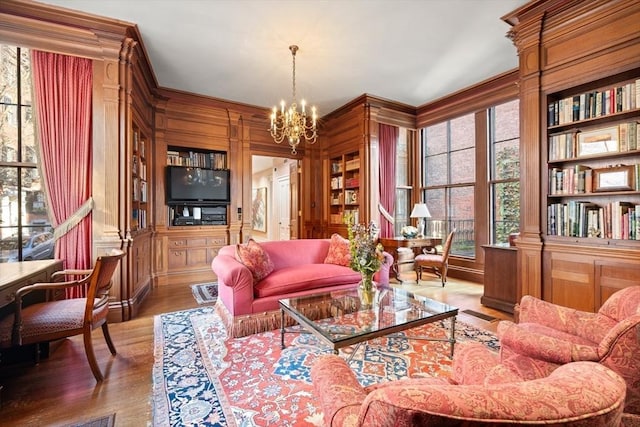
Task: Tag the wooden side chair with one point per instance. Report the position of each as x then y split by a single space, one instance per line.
52 320
437 263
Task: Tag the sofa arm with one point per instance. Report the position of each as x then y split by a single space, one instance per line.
382 276
231 272
338 390
539 346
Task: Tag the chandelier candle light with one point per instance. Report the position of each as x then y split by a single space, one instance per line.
289 123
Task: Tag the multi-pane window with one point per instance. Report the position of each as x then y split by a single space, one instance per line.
25 230
449 177
403 183
504 177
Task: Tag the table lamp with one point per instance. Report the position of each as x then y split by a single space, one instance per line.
421 212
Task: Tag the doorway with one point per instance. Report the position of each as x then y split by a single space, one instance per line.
273 180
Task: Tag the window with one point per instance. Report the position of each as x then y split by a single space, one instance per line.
403 182
23 212
504 175
449 180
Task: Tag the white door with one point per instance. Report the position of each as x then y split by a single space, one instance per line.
283 207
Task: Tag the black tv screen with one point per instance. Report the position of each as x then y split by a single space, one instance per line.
185 184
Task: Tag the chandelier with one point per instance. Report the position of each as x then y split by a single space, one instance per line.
288 123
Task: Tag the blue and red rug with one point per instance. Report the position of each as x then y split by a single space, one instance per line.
202 379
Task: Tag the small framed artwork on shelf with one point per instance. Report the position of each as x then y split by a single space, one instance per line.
598 142
615 178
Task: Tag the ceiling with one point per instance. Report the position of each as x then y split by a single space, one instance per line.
410 51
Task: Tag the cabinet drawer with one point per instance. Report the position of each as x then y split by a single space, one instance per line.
196 257
177 243
177 258
198 241
216 241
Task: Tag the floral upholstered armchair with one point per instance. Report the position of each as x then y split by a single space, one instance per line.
550 335
576 394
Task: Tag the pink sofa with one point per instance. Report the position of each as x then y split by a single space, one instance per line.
299 268
576 394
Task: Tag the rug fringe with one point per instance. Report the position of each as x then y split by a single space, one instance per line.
255 323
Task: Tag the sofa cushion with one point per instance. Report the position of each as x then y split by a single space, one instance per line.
255 259
304 277
339 253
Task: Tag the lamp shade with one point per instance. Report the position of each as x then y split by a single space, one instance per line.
420 210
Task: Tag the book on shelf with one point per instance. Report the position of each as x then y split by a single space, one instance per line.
598 103
143 191
577 179
616 220
190 158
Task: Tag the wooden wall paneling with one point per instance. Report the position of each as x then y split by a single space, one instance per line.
571 280
526 37
610 277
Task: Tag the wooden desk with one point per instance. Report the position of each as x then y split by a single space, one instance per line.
15 275
392 244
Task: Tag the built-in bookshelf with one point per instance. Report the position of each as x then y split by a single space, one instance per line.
181 156
593 163
344 187
139 181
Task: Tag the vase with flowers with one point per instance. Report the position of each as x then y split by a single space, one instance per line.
366 254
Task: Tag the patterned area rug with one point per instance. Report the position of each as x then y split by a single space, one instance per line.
205 293
202 379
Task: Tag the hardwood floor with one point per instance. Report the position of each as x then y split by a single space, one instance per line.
61 389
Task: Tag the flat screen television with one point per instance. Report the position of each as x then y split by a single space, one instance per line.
204 186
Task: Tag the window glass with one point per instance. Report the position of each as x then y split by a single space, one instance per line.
504 179
463 166
449 178
437 170
437 135
403 182
463 132
23 210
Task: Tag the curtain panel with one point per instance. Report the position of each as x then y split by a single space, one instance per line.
62 88
388 140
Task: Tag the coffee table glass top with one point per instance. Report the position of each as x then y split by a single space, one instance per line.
342 318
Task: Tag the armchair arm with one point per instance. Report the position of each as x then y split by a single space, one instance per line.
543 347
558 317
70 272
16 337
45 287
630 325
339 392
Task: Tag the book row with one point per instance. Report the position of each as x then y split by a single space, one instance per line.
594 104
197 160
139 190
616 220
581 179
138 219
618 138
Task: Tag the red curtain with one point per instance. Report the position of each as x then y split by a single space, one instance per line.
388 136
62 98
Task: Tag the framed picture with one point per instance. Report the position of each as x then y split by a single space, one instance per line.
259 209
597 142
615 178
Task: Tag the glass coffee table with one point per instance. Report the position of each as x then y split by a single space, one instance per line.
340 319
